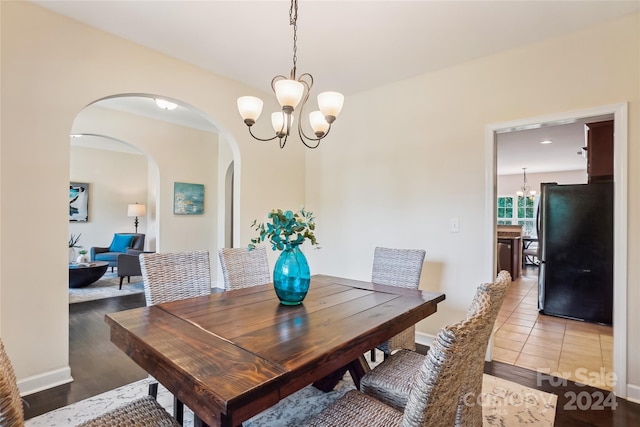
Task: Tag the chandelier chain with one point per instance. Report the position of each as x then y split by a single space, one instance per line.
293 20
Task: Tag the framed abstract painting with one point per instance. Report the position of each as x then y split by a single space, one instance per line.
78 202
188 199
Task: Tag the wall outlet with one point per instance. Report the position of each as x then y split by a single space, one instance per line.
454 225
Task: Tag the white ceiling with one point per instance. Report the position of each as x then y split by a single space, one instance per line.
349 46
523 149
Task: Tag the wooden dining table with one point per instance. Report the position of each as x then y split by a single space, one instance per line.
230 355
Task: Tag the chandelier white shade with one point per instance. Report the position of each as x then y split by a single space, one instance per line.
288 92
293 92
250 108
318 123
281 123
330 104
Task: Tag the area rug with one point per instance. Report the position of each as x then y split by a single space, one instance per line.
504 404
106 287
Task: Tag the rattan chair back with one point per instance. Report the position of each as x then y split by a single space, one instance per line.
243 268
11 411
397 267
433 400
471 415
402 268
175 276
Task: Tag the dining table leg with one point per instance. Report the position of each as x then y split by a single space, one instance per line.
357 368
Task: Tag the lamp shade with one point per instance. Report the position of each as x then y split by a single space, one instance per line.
136 210
249 107
279 122
289 92
318 123
330 103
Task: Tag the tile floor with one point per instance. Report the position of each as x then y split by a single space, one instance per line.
579 351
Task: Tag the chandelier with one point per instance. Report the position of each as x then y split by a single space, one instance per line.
525 189
290 92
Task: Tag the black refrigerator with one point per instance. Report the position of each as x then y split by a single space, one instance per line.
575 239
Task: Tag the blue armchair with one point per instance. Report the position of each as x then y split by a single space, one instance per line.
121 244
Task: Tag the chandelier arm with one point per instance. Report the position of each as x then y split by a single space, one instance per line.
274 80
261 139
308 85
303 138
282 142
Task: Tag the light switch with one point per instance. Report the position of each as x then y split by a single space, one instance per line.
454 225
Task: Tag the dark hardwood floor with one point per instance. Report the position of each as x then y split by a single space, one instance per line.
98 366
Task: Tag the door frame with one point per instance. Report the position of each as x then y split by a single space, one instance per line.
620 173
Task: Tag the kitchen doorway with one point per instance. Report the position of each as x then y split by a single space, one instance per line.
619 114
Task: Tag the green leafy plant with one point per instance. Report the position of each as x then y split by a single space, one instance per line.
285 229
73 241
83 252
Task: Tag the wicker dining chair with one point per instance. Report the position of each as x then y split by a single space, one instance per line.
402 268
243 268
141 412
171 277
391 381
432 401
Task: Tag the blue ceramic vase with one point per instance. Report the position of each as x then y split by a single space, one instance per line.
291 276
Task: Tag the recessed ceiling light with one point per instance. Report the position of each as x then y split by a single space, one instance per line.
165 105
546 141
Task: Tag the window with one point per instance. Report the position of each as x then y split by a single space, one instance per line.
518 210
505 210
526 215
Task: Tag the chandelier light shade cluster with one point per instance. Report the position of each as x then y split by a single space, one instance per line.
291 92
525 190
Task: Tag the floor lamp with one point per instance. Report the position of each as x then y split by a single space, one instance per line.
136 210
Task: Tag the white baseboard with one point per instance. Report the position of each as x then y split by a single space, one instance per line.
44 381
633 393
424 338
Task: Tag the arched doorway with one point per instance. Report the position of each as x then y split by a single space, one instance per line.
181 145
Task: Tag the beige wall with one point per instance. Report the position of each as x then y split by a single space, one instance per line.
52 67
407 157
115 180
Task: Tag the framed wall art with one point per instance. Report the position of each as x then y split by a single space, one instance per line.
188 199
78 202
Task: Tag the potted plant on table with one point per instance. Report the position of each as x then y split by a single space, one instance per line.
83 257
286 231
